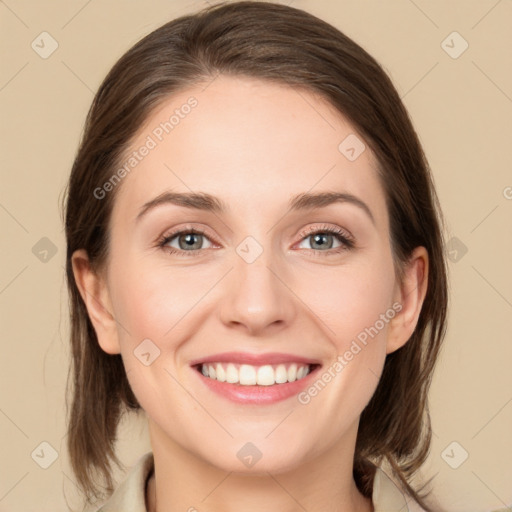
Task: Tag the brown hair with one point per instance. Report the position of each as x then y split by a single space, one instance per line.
289 46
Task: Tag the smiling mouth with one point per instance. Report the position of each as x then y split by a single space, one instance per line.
252 375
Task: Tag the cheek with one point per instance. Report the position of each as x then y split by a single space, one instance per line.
152 301
151 304
353 307
349 299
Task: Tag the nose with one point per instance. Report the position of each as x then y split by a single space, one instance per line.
258 299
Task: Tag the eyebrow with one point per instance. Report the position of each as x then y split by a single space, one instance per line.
210 203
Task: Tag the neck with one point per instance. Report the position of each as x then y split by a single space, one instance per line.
182 481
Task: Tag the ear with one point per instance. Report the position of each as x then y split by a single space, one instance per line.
94 291
409 297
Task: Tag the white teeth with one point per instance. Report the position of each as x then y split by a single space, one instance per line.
292 373
221 374
281 374
232 374
266 376
248 375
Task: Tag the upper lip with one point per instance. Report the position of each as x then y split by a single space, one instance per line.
254 359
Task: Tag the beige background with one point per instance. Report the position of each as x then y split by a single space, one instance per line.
462 109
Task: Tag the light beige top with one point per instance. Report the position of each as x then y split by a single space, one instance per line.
130 495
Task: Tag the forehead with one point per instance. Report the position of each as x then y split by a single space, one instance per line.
247 141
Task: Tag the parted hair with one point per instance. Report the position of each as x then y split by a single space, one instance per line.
288 46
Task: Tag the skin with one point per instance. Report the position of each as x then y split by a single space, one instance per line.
253 144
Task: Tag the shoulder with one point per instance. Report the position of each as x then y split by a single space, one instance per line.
130 496
389 497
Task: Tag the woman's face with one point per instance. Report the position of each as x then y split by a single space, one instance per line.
276 282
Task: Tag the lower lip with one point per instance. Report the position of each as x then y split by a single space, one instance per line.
258 394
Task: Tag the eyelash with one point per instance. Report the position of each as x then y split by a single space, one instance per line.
342 236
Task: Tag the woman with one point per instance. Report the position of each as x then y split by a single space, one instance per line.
254 260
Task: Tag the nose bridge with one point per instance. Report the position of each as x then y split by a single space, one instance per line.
257 297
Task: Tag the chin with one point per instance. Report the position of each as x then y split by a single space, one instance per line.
256 458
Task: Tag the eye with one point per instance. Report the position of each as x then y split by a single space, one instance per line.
190 241
187 242
321 239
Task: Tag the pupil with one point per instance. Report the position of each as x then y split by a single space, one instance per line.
189 240
318 238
